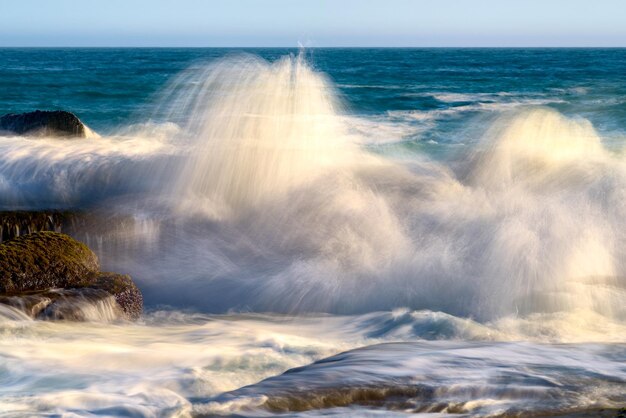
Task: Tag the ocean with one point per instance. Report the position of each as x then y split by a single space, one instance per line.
329 232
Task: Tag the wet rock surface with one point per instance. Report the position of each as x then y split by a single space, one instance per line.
45 260
15 223
48 275
57 123
123 289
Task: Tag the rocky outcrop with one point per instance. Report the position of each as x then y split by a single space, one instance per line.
45 260
17 223
123 289
77 223
50 275
43 123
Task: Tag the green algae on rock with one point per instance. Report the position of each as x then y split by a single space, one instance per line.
124 290
45 260
49 275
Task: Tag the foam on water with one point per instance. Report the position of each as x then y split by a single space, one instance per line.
44 173
174 363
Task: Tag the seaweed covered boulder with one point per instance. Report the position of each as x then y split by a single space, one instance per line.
44 123
45 260
49 275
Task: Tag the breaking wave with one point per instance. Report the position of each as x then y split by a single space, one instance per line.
256 194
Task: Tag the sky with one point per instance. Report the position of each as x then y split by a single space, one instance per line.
313 23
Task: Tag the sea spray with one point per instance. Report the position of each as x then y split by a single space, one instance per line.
258 130
507 248
554 190
517 227
257 195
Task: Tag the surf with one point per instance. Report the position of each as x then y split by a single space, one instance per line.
299 254
255 183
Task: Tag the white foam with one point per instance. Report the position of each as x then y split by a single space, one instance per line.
156 366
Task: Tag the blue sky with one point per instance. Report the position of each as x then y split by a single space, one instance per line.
312 23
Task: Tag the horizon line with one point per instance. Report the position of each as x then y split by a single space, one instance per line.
317 47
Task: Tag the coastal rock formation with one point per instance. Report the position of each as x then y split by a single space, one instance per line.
51 275
123 289
17 223
84 225
45 260
43 123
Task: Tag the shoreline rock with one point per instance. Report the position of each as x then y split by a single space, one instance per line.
123 289
15 223
49 275
57 123
45 260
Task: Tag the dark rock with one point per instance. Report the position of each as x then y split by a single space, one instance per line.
17 223
44 123
45 260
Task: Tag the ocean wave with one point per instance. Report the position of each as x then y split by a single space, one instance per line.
452 97
258 195
501 106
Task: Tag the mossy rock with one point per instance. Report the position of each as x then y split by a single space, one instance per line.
124 290
45 260
49 275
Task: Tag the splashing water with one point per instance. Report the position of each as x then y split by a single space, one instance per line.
527 222
259 131
259 193
268 197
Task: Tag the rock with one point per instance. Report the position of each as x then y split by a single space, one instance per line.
124 290
48 275
44 123
81 304
75 222
16 223
45 260
85 304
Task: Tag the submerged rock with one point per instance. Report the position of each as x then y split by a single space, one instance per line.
44 123
48 275
84 304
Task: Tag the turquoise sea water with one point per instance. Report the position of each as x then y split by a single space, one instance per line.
329 232
111 87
